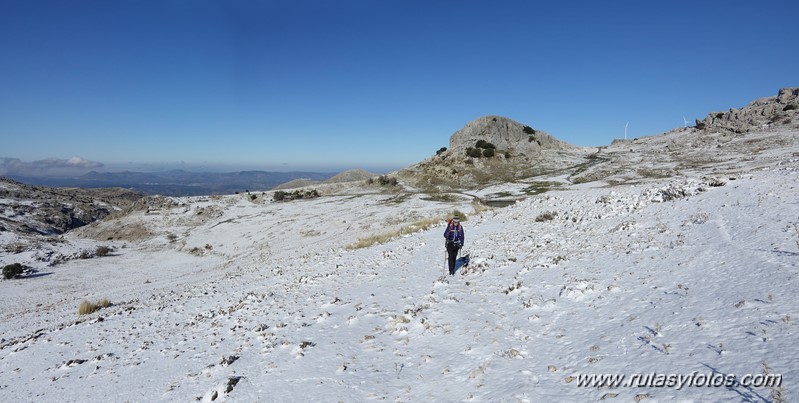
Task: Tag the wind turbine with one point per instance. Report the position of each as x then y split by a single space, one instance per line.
684 122
625 130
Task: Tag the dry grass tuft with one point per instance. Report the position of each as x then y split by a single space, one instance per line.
463 217
377 239
87 307
480 207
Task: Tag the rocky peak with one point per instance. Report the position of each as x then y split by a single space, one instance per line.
519 151
505 134
776 110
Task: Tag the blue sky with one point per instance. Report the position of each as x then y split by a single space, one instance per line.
380 84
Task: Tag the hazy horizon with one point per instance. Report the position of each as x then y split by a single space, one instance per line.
61 168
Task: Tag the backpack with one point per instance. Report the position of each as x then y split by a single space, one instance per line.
450 229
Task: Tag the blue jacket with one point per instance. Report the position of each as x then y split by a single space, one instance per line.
454 233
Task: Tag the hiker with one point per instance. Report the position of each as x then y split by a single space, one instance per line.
454 241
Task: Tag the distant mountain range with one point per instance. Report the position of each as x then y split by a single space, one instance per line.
177 182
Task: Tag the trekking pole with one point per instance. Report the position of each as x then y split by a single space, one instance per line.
446 259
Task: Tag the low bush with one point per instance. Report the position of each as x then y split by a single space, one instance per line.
474 152
484 144
385 180
529 130
488 152
102 251
13 270
441 150
280 195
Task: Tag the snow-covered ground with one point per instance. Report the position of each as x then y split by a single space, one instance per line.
249 300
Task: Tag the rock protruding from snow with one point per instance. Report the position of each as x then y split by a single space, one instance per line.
39 210
777 110
504 134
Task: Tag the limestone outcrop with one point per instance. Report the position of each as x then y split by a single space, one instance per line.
780 109
504 134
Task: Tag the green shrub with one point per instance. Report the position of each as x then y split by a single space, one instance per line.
441 150
488 152
13 270
474 152
484 144
385 180
297 194
529 130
